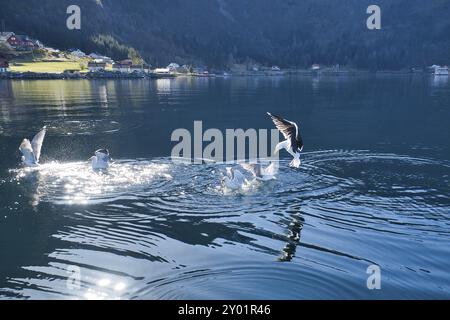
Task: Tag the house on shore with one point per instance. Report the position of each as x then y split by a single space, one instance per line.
173 67
25 43
162 71
77 53
9 38
4 66
96 66
100 58
19 42
123 66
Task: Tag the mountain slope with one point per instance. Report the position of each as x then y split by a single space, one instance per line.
219 32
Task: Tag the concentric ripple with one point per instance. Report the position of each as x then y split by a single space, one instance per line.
152 228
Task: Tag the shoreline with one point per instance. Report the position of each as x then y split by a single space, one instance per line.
130 76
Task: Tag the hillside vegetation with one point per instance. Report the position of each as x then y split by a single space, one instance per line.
222 32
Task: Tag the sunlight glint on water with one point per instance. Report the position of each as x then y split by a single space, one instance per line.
372 189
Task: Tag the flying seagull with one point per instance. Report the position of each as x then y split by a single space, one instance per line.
31 151
101 159
293 143
233 180
260 173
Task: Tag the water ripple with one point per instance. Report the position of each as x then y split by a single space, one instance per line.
157 227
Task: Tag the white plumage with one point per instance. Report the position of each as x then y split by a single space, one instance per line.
31 151
101 159
233 180
260 173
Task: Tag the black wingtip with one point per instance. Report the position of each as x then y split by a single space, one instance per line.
104 151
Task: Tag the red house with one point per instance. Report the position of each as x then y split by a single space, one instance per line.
11 38
18 42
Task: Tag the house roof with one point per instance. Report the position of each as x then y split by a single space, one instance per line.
97 64
126 62
5 35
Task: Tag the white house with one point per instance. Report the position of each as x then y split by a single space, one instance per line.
120 67
78 53
39 44
99 57
162 71
173 67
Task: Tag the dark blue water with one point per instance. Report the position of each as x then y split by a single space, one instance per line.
373 189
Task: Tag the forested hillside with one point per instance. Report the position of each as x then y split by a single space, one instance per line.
221 32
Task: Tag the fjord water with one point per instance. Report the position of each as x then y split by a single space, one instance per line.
373 189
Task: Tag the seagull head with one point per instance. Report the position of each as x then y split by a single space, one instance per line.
103 151
103 154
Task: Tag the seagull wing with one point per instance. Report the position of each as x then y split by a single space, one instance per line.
27 151
289 130
36 143
255 169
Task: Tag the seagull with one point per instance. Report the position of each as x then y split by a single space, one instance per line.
260 173
101 159
31 151
233 180
293 143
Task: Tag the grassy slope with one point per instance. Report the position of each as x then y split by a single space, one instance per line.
48 67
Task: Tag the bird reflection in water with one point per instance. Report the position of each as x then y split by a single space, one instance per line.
293 238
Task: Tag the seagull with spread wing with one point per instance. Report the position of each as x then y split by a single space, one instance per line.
261 173
293 143
31 151
234 179
100 160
